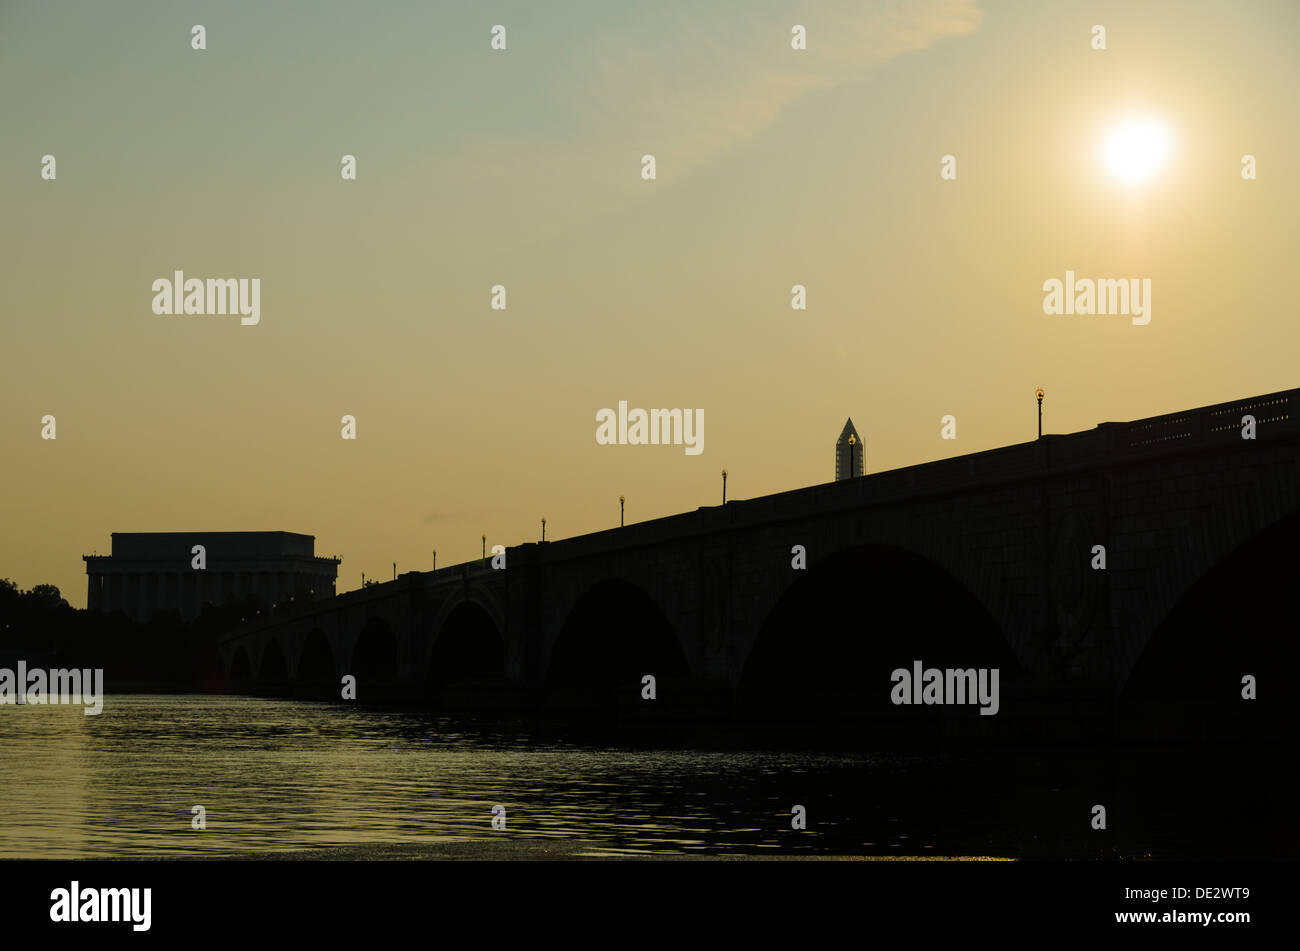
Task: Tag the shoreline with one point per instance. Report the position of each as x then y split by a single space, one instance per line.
507 849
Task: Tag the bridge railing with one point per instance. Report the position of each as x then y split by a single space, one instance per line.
1205 426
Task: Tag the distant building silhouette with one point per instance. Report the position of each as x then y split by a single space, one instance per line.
152 571
848 455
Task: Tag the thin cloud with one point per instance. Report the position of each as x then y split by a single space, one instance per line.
687 83
699 80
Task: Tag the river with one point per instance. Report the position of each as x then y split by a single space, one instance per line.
276 776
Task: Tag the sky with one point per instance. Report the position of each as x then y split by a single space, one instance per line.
523 167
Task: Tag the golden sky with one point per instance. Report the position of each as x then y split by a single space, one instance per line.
523 168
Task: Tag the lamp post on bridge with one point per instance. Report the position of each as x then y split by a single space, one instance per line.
484 547
724 486
620 511
1040 412
543 529
853 442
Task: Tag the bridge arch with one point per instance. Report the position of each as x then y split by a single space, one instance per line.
241 669
1238 617
474 593
272 668
468 645
613 635
316 660
374 656
829 644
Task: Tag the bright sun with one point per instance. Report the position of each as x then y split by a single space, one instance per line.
1137 149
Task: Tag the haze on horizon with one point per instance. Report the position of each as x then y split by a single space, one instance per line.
775 167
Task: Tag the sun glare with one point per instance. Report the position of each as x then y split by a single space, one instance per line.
1137 149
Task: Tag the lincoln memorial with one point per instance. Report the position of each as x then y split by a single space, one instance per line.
154 571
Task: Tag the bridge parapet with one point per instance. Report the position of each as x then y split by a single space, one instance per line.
1206 426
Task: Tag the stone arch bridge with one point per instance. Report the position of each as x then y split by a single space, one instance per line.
989 555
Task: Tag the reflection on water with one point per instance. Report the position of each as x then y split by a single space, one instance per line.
282 775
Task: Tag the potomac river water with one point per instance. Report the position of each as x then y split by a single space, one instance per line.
297 779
